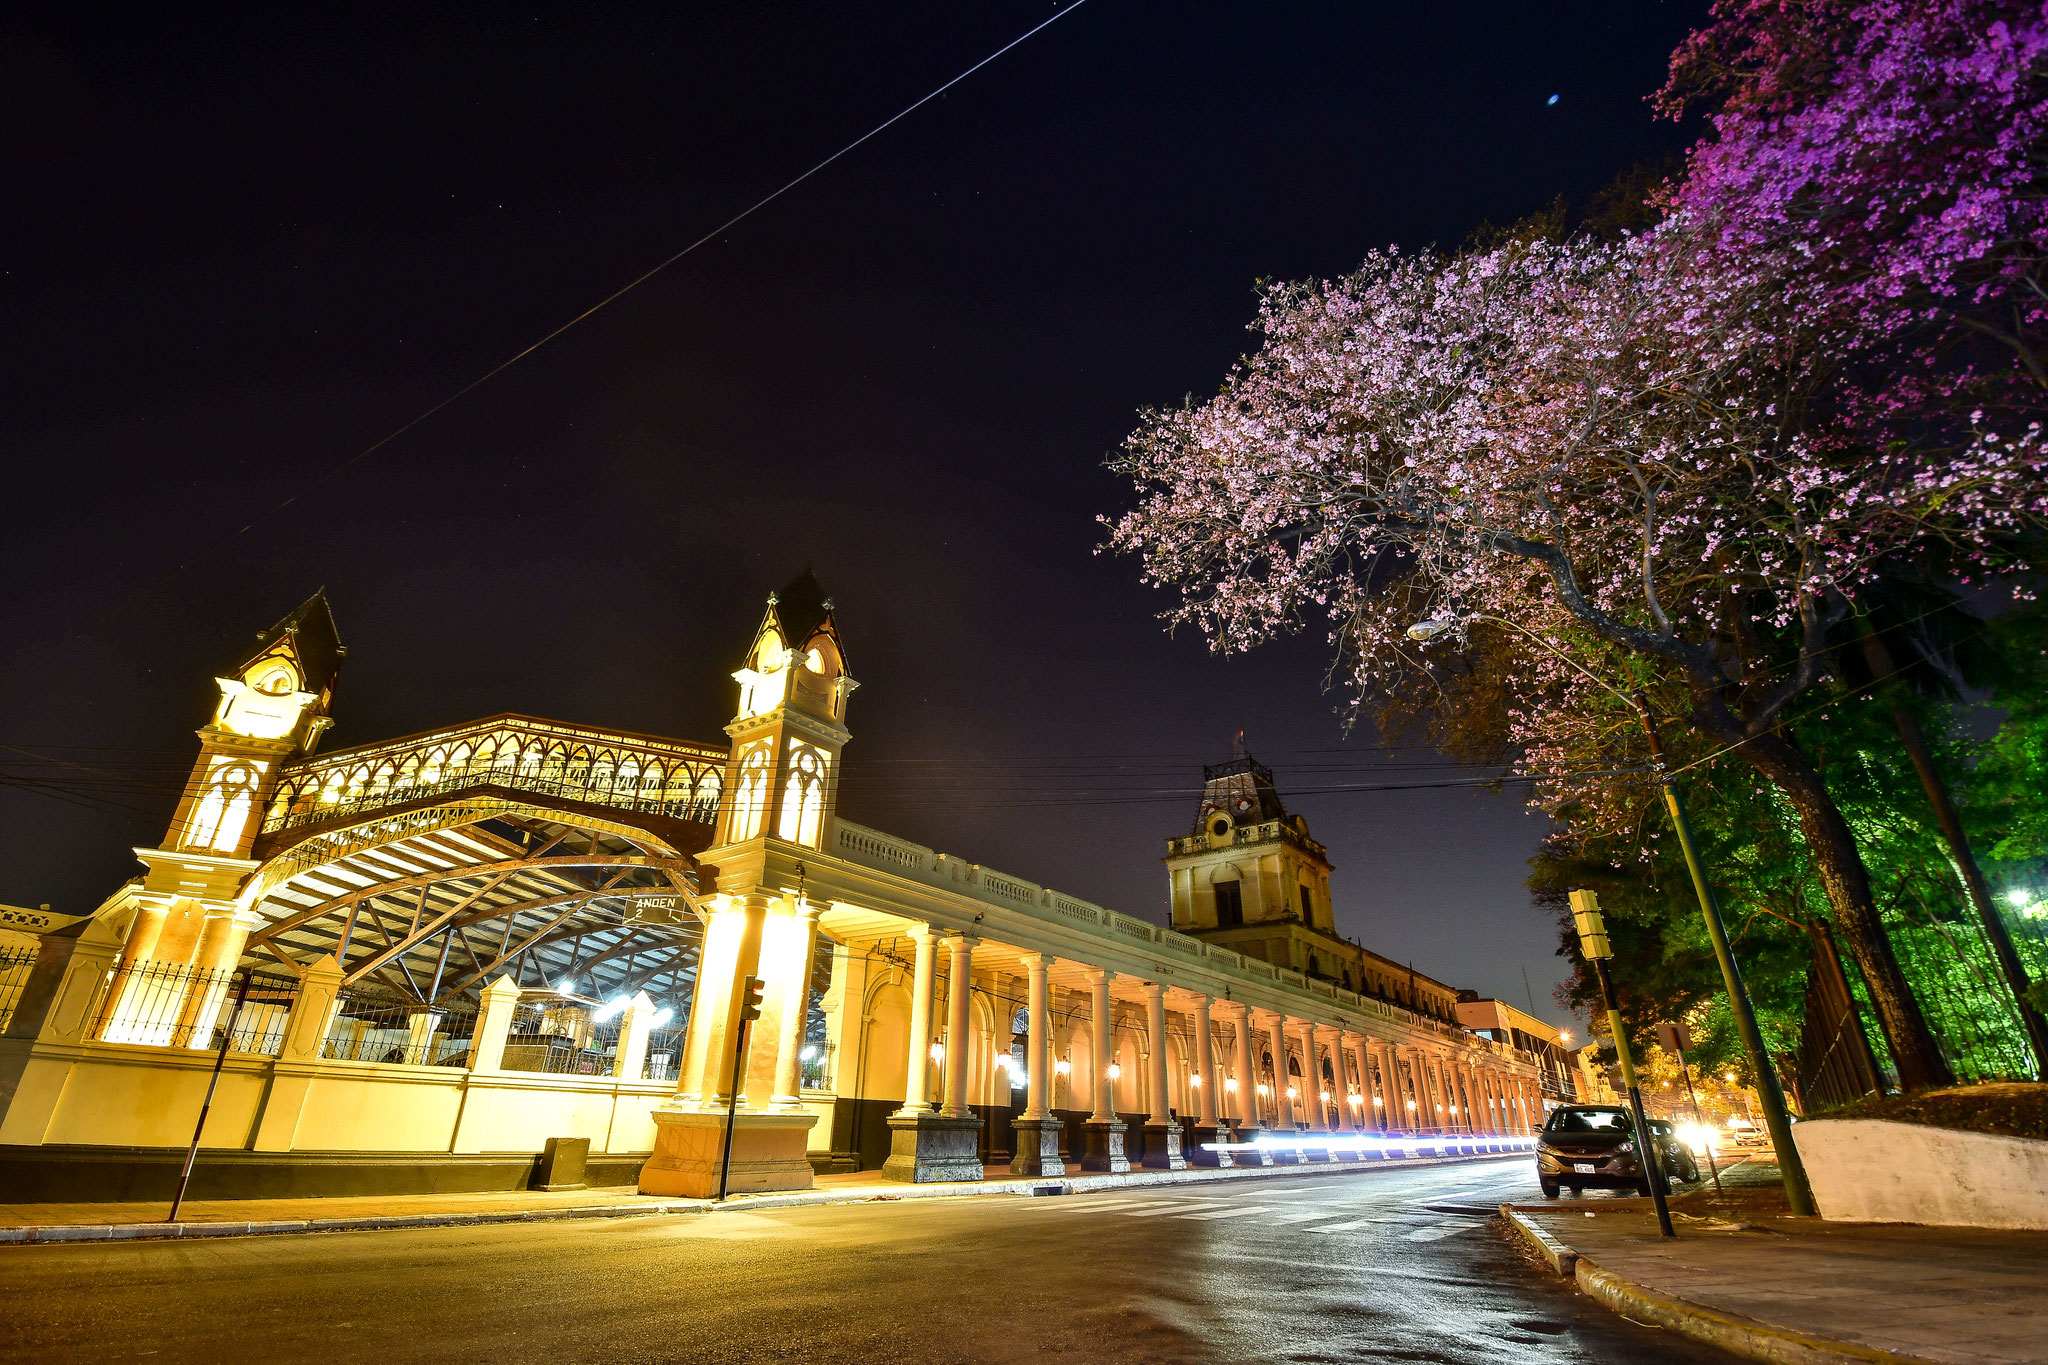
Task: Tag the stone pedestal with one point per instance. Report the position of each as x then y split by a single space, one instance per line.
768 1153
926 1148
1197 1151
1105 1147
1162 1147
1258 1156
1037 1144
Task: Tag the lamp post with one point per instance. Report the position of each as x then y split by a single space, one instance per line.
1798 1193
1593 943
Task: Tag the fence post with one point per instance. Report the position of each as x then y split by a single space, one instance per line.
52 1021
297 1068
493 1024
633 1030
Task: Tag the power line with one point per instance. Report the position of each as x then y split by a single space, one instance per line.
609 299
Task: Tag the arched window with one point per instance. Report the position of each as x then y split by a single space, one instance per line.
750 800
1229 897
705 808
223 812
803 796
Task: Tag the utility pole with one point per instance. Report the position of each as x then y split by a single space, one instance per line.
1798 1193
227 1037
1677 1039
751 990
1593 943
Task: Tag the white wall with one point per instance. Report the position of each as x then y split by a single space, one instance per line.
1871 1171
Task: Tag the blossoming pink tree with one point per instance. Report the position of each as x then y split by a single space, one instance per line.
1603 446
1894 149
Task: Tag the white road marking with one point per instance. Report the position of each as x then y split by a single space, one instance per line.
1439 1232
1241 1211
1160 1210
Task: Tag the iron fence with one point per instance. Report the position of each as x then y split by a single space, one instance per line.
15 965
372 1029
561 1040
165 1004
664 1053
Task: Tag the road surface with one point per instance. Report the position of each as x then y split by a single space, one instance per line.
1375 1265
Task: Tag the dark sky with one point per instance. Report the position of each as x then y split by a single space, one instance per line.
241 246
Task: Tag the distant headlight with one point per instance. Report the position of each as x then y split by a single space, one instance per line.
1625 1148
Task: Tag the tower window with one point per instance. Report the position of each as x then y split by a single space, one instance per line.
1308 913
1219 827
1229 904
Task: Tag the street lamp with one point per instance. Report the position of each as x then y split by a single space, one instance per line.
1798 1193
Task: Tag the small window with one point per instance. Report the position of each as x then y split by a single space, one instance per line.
1307 906
1219 827
1229 904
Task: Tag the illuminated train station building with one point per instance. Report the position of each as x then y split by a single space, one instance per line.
428 956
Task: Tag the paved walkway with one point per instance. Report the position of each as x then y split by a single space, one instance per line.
230 1217
1817 1290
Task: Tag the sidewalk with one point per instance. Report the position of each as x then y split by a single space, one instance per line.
39 1223
1746 1276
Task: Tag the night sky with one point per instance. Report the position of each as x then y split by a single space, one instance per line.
237 247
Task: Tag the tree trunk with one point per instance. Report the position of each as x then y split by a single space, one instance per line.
1879 658
1847 883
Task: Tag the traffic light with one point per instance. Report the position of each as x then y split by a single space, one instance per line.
1592 928
751 992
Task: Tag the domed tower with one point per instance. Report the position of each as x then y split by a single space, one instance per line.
782 779
1247 861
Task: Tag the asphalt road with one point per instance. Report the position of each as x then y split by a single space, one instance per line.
1375 1265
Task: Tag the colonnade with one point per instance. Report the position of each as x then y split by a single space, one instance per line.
1249 1070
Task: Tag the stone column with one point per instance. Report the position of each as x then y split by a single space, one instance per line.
959 1047
1210 1126
795 1006
1162 1131
1246 1121
631 1057
1103 1134
1408 1080
927 1147
917 1072
213 967
1037 1131
1283 1103
1283 1107
1310 1112
1355 1092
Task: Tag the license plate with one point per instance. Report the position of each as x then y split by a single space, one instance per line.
1585 1167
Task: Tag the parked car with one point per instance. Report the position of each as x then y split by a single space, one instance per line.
1744 1136
1595 1146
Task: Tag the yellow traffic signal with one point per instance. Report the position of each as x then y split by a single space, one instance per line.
751 991
1592 928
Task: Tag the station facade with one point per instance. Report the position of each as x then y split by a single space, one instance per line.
449 947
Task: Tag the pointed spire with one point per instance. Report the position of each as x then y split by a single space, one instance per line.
310 634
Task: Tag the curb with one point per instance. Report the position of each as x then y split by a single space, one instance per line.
48 1234
1738 1335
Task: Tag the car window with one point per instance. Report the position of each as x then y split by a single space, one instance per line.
1589 1121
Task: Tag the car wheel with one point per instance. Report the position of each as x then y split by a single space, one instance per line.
1578 1191
1549 1186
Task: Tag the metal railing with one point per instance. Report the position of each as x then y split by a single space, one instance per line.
312 809
163 1004
15 965
369 1029
664 1053
546 1041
